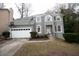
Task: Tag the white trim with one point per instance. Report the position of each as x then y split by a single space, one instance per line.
37 19
37 28
60 18
60 29
46 18
22 32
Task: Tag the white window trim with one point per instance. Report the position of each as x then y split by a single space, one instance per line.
46 18
60 19
60 28
39 19
37 28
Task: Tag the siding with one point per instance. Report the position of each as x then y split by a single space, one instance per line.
4 20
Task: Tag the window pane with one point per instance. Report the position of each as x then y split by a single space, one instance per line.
38 19
48 18
55 28
59 28
58 18
38 29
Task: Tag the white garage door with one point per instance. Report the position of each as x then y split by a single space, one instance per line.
20 32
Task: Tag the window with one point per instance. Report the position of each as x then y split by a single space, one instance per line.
59 28
54 18
23 29
38 19
38 29
28 29
48 18
55 29
58 18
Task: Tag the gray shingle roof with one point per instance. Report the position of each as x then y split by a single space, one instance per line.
24 21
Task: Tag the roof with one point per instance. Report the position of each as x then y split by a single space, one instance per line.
48 13
5 9
24 21
30 20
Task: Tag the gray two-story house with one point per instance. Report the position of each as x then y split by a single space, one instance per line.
46 23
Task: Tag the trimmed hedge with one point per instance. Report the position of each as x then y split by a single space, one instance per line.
33 34
71 37
6 34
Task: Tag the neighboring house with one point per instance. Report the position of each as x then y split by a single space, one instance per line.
43 24
5 17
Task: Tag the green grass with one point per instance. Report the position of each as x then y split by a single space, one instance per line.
50 48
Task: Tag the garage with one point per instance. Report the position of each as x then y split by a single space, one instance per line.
20 32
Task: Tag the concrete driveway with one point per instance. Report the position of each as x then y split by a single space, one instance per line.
10 47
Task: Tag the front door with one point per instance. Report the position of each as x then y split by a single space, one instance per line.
49 29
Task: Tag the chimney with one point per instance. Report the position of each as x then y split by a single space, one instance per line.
11 14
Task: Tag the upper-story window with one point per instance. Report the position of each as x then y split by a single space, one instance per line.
58 18
55 18
48 18
38 19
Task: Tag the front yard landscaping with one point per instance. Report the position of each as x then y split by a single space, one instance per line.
55 47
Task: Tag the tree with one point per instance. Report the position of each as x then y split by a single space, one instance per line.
71 19
24 9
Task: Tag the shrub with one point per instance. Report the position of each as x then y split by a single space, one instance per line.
42 36
71 37
33 34
6 34
46 36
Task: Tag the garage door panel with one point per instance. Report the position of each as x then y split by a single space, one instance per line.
21 33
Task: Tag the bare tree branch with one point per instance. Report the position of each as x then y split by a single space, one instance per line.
24 9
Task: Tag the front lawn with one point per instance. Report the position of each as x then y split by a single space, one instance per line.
48 48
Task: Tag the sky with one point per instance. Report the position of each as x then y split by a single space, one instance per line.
37 6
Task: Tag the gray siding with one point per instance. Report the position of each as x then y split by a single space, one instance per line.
54 23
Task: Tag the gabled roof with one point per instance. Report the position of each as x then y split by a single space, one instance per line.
49 12
24 21
30 20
